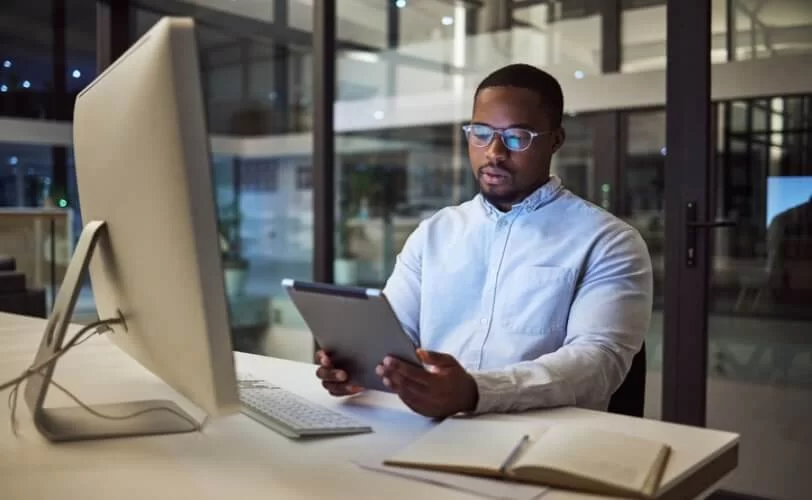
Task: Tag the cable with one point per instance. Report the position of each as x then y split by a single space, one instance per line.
98 328
124 417
58 354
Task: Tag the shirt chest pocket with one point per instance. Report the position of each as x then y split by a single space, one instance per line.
535 300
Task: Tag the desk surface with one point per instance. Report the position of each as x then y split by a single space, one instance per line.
237 457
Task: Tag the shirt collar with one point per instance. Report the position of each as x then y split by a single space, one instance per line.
534 201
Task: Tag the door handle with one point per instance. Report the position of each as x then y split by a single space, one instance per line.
691 227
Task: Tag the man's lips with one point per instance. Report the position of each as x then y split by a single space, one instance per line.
494 175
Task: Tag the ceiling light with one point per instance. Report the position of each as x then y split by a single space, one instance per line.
663 151
6 64
26 84
76 74
363 56
448 20
13 160
3 88
579 74
378 115
400 4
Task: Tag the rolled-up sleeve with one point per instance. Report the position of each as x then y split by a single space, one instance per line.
608 320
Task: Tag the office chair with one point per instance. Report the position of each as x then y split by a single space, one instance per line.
629 398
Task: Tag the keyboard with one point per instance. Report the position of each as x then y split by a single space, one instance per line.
290 414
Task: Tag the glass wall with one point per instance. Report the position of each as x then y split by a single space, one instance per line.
760 353
642 206
251 88
769 29
759 29
760 350
25 175
26 59
399 159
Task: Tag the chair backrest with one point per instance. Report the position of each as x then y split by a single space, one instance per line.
630 397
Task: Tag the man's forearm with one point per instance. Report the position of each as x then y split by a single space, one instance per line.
579 374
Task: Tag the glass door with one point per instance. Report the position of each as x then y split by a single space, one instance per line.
759 378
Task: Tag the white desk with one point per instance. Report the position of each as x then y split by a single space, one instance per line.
235 457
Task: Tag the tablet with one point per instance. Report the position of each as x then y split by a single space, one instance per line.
356 326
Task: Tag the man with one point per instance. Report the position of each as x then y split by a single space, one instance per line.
525 296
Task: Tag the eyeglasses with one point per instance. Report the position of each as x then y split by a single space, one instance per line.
515 139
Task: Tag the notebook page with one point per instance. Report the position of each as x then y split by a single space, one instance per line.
605 456
470 444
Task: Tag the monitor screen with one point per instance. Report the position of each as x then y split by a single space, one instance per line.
786 192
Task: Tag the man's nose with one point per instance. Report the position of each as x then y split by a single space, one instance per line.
496 149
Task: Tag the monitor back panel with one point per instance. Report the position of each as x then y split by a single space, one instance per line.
142 164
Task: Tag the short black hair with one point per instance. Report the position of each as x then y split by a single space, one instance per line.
532 78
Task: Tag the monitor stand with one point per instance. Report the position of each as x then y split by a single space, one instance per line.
101 421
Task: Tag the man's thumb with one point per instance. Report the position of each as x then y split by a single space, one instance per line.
438 359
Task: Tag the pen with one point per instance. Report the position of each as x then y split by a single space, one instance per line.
515 451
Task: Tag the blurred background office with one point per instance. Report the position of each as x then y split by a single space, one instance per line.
405 72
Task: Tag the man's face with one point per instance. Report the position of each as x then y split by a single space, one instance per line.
507 175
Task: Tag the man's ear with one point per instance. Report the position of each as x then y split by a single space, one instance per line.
558 139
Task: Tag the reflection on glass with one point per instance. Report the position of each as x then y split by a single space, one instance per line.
25 175
262 193
387 181
574 162
760 350
26 60
643 208
770 29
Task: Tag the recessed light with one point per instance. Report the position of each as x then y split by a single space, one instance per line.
579 74
3 88
13 160
663 151
378 115
76 74
26 84
6 64
400 4
448 20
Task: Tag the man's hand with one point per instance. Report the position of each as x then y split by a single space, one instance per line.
334 380
441 390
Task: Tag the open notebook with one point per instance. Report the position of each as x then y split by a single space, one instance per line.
565 456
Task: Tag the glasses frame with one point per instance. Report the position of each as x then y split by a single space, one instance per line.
501 133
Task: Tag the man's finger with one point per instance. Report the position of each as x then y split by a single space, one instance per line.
341 389
331 375
417 374
439 359
324 359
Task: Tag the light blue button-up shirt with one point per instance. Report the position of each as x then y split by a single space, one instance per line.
545 305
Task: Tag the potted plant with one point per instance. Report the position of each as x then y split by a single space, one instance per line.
356 186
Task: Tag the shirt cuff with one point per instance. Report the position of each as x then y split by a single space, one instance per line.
495 390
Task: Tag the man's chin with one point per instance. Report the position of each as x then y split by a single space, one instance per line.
497 196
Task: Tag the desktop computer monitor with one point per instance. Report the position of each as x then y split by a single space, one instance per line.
151 240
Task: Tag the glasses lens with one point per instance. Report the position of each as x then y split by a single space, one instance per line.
480 135
517 139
